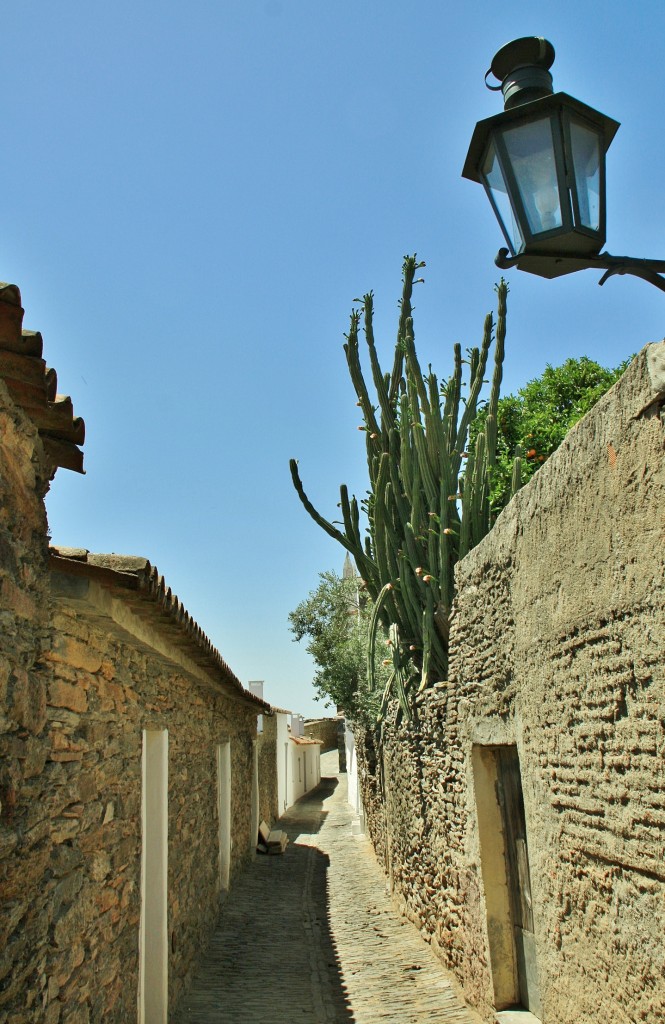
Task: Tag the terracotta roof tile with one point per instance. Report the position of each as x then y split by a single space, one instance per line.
33 385
142 586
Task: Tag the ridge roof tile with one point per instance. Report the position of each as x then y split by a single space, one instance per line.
132 574
33 386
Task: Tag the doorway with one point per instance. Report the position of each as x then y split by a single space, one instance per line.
506 874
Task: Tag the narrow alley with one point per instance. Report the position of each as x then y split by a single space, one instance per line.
314 937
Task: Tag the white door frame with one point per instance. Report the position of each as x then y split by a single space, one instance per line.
224 812
153 994
254 819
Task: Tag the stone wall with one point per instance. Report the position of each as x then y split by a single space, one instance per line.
324 729
267 753
82 675
557 648
24 747
106 690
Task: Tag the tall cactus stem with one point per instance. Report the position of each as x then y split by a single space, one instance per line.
428 502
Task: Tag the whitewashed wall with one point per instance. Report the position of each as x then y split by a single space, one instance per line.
304 769
353 793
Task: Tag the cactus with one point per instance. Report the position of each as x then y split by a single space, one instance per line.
428 501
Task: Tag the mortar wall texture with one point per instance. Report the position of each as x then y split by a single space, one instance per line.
105 691
324 729
77 690
267 753
24 632
557 646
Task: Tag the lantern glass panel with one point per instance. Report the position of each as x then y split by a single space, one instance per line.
530 149
495 183
586 149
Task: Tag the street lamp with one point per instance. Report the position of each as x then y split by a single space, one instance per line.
542 162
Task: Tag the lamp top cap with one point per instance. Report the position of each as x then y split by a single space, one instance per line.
522 66
531 51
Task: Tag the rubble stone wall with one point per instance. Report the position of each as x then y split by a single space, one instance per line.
77 692
324 729
105 691
267 741
557 647
24 746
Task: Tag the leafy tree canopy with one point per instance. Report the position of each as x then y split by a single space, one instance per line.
334 619
539 416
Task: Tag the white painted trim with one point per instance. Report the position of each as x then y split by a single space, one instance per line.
223 759
153 994
254 820
282 762
496 892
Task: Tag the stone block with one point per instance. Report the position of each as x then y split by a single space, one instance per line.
52 1014
100 865
17 600
76 654
73 1014
106 899
64 859
36 753
38 832
64 829
68 928
66 756
64 695
8 841
66 890
21 875
28 700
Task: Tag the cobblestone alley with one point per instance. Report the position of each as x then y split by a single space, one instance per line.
313 937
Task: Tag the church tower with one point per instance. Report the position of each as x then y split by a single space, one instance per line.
349 570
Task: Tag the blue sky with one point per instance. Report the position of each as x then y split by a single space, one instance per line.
193 197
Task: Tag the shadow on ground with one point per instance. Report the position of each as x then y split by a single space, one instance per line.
273 956
308 814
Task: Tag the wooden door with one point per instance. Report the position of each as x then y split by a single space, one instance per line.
519 879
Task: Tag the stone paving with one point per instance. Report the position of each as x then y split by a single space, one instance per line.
313 936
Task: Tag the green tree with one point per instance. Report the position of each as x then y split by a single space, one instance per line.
534 422
334 618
